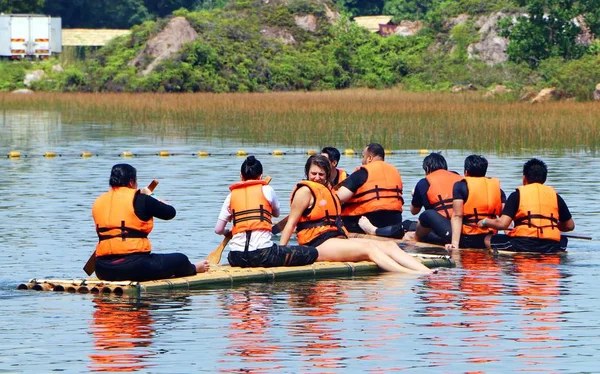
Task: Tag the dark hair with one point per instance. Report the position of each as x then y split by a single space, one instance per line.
476 165
535 171
251 168
121 175
332 153
376 149
434 161
320 161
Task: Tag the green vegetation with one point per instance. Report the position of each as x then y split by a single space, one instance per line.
347 118
254 46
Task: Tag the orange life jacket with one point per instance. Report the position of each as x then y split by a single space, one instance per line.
250 210
484 201
119 230
342 175
381 191
324 216
537 216
439 194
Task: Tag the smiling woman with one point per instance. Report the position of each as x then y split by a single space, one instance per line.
315 214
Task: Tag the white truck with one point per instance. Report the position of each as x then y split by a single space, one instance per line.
29 36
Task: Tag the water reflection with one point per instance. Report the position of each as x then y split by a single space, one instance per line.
316 305
122 332
249 331
538 286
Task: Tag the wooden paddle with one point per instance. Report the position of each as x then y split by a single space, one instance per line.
276 229
214 257
575 235
90 265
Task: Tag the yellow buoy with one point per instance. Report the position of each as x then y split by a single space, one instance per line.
311 152
126 154
163 153
203 154
50 154
86 154
14 154
349 152
388 151
242 153
277 152
423 151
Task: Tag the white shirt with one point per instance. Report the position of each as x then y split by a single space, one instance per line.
258 238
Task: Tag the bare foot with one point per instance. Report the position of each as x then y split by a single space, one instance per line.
409 235
366 225
202 266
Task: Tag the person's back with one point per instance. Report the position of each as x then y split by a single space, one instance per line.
374 193
124 216
538 212
250 206
474 197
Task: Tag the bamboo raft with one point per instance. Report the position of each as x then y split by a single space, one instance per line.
221 276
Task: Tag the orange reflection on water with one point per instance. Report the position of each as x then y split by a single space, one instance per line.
120 329
538 284
249 330
317 304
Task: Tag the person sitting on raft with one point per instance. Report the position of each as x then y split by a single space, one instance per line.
434 193
539 214
372 196
337 175
474 198
315 214
250 206
124 217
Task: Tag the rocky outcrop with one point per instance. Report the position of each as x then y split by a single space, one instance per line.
545 95
33 76
463 88
498 90
491 48
307 22
23 91
166 43
278 34
408 28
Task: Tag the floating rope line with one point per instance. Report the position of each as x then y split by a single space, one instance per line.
164 153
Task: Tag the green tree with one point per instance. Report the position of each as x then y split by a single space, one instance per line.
21 6
546 31
98 13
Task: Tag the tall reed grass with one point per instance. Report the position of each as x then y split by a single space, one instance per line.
350 118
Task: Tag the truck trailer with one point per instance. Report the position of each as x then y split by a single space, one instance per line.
30 35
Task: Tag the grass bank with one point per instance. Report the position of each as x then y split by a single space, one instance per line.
349 118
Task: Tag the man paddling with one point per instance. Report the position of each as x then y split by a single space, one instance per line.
434 193
538 212
372 196
475 197
124 217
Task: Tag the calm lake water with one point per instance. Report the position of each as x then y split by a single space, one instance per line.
490 314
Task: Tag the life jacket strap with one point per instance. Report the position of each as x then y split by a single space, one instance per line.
124 233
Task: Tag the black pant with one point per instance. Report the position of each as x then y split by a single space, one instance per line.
277 255
143 267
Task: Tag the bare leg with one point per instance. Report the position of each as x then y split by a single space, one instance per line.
202 266
392 250
367 226
356 250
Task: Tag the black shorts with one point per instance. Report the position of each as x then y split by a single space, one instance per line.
503 242
325 237
473 241
277 255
